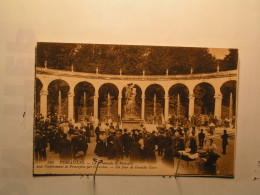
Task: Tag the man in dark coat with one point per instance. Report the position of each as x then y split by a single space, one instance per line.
110 146
126 141
64 148
168 155
97 131
201 138
75 143
38 145
118 145
52 139
83 145
148 151
161 143
71 130
181 144
58 135
44 146
193 143
88 132
224 141
135 150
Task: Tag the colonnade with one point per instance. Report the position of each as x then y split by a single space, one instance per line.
216 80
44 98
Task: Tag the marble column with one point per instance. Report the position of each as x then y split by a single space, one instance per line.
218 105
71 107
43 103
96 107
191 105
166 108
143 106
120 105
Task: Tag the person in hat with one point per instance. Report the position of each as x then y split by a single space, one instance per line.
107 129
168 155
38 138
148 150
211 157
201 138
97 131
88 132
181 144
155 139
135 149
101 144
71 130
134 133
193 145
112 125
110 146
161 143
118 145
64 148
224 141
83 144
75 143
174 144
211 147
58 136
126 141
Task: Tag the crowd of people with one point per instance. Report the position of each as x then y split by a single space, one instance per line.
142 145
61 137
113 142
195 120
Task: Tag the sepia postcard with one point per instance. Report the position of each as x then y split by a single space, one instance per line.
134 110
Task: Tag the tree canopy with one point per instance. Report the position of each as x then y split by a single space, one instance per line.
132 60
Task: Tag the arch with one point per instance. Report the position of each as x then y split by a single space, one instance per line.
181 84
204 98
226 89
59 83
138 100
154 103
37 77
108 101
38 88
57 99
183 91
84 100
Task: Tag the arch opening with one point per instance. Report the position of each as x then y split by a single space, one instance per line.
154 104
228 90
178 109
58 99
204 99
108 102
84 101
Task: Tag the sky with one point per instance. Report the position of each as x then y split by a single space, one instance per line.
219 53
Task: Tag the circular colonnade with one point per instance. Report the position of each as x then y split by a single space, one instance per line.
89 94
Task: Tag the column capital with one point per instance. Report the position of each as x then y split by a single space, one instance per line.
191 96
71 94
120 96
44 92
218 96
166 96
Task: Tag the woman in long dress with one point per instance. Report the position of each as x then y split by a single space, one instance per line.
135 149
101 144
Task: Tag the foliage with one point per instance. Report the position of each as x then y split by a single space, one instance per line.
131 59
230 61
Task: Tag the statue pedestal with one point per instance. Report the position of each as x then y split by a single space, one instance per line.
131 123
